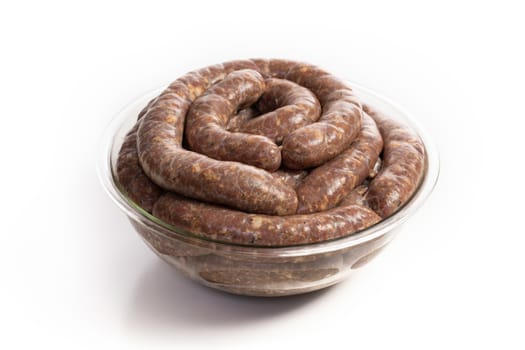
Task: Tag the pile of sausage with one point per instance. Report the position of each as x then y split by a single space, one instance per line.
267 152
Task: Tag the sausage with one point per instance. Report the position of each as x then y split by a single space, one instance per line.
329 183
316 143
403 166
292 178
285 106
208 117
356 196
130 177
240 118
243 204
219 223
159 146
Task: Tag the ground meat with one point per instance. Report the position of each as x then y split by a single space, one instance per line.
268 153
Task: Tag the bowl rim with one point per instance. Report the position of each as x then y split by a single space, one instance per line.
133 211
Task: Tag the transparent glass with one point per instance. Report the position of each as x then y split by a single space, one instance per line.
261 271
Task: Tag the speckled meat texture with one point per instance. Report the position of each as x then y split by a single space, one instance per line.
219 223
403 166
284 107
208 118
356 197
242 116
159 144
338 126
329 183
132 180
292 178
228 190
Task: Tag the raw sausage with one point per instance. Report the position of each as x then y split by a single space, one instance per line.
187 160
223 224
240 118
329 183
403 166
357 196
338 126
208 117
130 176
159 145
284 107
292 178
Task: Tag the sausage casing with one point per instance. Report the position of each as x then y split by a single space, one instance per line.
159 145
284 107
207 120
316 143
329 183
223 224
402 169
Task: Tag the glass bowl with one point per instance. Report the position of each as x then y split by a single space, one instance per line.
252 270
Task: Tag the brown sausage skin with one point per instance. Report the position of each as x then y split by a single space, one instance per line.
219 223
285 106
292 178
159 145
358 194
152 161
208 118
338 126
329 183
356 197
402 169
130 176
242 116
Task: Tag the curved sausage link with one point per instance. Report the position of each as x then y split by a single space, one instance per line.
242 116
219 223
338 126
286 107
130 176
402 169
292 178
208 117
356 196
329 183
159 145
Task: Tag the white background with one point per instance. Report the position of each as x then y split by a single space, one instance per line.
73 274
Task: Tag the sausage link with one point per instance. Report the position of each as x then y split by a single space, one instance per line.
242 116
286 106
329 183
402 169
316 143
208 117
292 178
152 159
159 145
356 196
219 223
132 180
